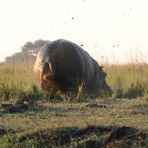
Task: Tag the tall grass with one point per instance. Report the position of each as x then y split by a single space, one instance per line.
127 81
16 81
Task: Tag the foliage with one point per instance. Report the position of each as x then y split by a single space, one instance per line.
28 53
33 47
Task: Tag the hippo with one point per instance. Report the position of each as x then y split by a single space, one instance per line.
63 66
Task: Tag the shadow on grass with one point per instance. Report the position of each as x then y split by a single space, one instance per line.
65 137
90 136
72 136
6 108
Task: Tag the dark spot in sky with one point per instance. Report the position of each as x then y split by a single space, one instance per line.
72 18
123 14
3 23
115 45
81 45
113 23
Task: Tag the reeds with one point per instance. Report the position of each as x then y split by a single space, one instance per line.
127 81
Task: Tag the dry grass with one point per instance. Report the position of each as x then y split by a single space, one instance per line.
53 123
128 81
50 119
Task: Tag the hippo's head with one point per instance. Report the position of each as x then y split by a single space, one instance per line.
100 82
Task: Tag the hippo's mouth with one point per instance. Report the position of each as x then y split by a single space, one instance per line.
108 91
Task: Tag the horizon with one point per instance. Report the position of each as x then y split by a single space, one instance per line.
109 30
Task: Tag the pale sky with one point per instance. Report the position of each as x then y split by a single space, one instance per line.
116 30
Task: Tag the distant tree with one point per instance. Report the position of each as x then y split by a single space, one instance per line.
40 43
28 52
8 60
28 46
33 47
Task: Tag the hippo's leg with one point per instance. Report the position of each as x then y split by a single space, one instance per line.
70 95
79 91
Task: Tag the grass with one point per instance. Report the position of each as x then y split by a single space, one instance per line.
119 121
17 81
128 81
63 124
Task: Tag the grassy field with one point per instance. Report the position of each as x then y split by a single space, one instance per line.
119 121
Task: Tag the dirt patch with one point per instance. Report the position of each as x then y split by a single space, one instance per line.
96 106
14 108
19 106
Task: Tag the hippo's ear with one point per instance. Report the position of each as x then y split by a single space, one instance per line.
101 67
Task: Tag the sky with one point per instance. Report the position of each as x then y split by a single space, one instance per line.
113 31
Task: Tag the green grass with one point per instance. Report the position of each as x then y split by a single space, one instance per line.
57 124
88 123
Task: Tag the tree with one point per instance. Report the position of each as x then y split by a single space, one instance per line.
33 47
28 53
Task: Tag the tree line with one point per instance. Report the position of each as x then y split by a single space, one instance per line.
27 54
